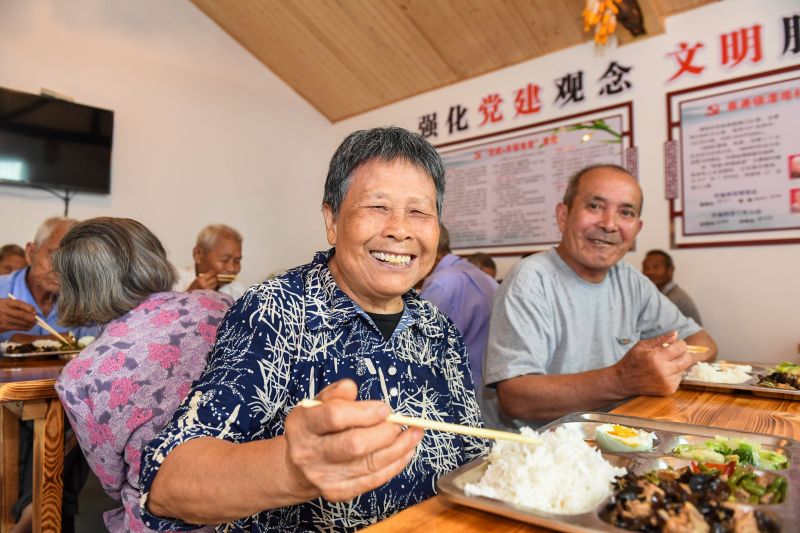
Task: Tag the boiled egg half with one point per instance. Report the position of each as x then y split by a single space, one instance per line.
616 438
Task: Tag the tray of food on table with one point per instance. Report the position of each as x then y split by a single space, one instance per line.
605 472
778 380
27 348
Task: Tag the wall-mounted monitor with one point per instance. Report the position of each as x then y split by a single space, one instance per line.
54 144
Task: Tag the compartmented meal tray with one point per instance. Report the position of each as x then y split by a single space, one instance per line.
751 385
667 435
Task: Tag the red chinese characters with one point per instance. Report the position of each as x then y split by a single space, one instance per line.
526 100
753 101
685 56
738 45
490 108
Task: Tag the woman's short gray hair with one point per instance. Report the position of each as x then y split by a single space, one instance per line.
208 236
107 266
385 144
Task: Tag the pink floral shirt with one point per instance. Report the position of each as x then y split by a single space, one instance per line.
122 389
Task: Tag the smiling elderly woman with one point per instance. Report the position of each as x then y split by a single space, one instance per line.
344 327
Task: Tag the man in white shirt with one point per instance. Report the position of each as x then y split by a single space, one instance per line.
217 261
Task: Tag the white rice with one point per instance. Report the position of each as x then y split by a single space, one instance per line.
562 475
719 373
46 343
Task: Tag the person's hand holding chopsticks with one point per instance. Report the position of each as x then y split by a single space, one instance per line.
205 280
42 323
654 367
344 447
16 315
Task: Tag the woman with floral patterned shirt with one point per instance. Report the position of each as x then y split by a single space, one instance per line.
347 329
123 388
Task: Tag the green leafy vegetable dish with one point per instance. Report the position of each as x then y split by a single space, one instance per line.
723 450
784 376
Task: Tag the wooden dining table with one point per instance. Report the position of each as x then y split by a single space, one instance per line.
742 412
27 393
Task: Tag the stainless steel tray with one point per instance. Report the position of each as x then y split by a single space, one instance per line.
38 355
759 369
668 434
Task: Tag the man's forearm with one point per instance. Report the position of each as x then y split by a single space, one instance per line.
211 481
653 367
544 397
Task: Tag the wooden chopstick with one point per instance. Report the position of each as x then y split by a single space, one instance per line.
696 349
47 327
444 426
691 348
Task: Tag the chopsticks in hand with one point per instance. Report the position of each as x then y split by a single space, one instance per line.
691 348
45 326
696 349
222 279
447 427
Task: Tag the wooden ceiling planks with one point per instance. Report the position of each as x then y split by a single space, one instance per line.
476 36
672 7
346 57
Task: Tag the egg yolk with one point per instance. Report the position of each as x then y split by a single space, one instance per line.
622 431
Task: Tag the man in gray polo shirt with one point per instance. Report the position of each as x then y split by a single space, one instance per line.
574 329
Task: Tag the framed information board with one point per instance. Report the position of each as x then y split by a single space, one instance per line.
503 188
732 161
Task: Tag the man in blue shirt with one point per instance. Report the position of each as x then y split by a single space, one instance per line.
35 287
12 257
36 291
464 294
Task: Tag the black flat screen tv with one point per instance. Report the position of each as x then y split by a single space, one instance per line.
54 144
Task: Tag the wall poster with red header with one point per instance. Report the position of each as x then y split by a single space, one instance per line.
503 188
732 162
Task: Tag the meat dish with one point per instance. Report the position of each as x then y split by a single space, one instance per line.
695 498
784 376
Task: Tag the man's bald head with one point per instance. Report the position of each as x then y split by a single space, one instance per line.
575 181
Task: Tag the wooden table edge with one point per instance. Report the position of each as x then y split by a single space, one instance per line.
48 452
15 391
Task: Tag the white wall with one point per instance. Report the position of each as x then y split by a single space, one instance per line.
748 296
203 132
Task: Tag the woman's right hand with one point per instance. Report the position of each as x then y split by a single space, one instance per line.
343 447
